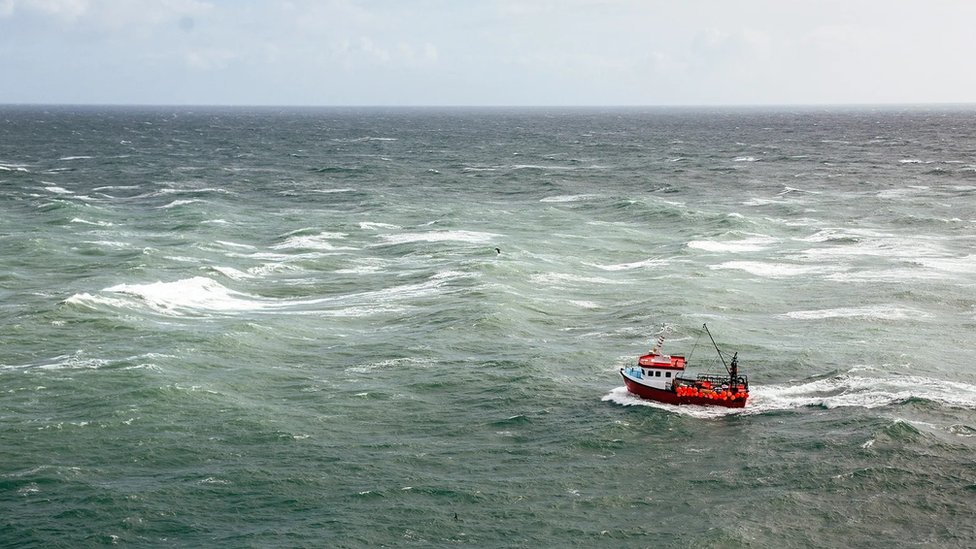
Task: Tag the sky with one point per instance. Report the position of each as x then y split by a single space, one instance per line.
487 52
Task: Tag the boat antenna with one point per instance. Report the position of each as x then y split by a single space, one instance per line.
660 339
717 349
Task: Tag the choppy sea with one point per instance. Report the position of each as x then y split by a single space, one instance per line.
291 327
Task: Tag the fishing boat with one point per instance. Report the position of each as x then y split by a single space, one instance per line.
662 377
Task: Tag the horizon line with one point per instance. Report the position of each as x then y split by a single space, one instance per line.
504 106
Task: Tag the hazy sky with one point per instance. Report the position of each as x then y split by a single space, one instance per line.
487 52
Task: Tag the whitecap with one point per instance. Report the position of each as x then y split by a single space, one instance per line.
777 270
787 190
189 296
80 157
373 225
110 244
887 275
955 265
388 365
569 198
760 202
202 296
75 361
753 244
745 159
91 301
333 191
366 265
321 241
473 237
651 262
96 223
115 187
555 279
232 273
166 191
177 203
872 312
234 244
58 190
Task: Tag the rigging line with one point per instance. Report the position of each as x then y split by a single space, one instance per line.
692 353
717 349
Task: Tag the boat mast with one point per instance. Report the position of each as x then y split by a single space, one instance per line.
718 350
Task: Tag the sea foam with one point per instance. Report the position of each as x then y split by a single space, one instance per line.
846 390
473 237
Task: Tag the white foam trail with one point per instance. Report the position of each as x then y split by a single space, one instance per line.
371 225
850 390
955 265
177 203
189 296
651 262
94 301
190 191
319 241
753 244
333 191
115 187
234 244
787 190
623 397
233 273
870 244
840 233
200 296
366 265
840 391
96 223
873 312
80 157
555 279
13 168
887 275
569 198
439 236
777 270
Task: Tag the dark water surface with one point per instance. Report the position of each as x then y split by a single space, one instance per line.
290 328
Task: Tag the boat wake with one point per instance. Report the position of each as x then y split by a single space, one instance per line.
843 390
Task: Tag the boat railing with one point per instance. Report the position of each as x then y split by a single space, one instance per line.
718 380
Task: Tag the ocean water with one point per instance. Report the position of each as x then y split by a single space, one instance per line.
291 328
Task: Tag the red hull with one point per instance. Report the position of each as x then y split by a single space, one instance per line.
670 397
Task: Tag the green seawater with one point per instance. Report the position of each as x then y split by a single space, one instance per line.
291 327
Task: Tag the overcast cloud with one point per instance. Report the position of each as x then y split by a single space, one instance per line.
490 52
